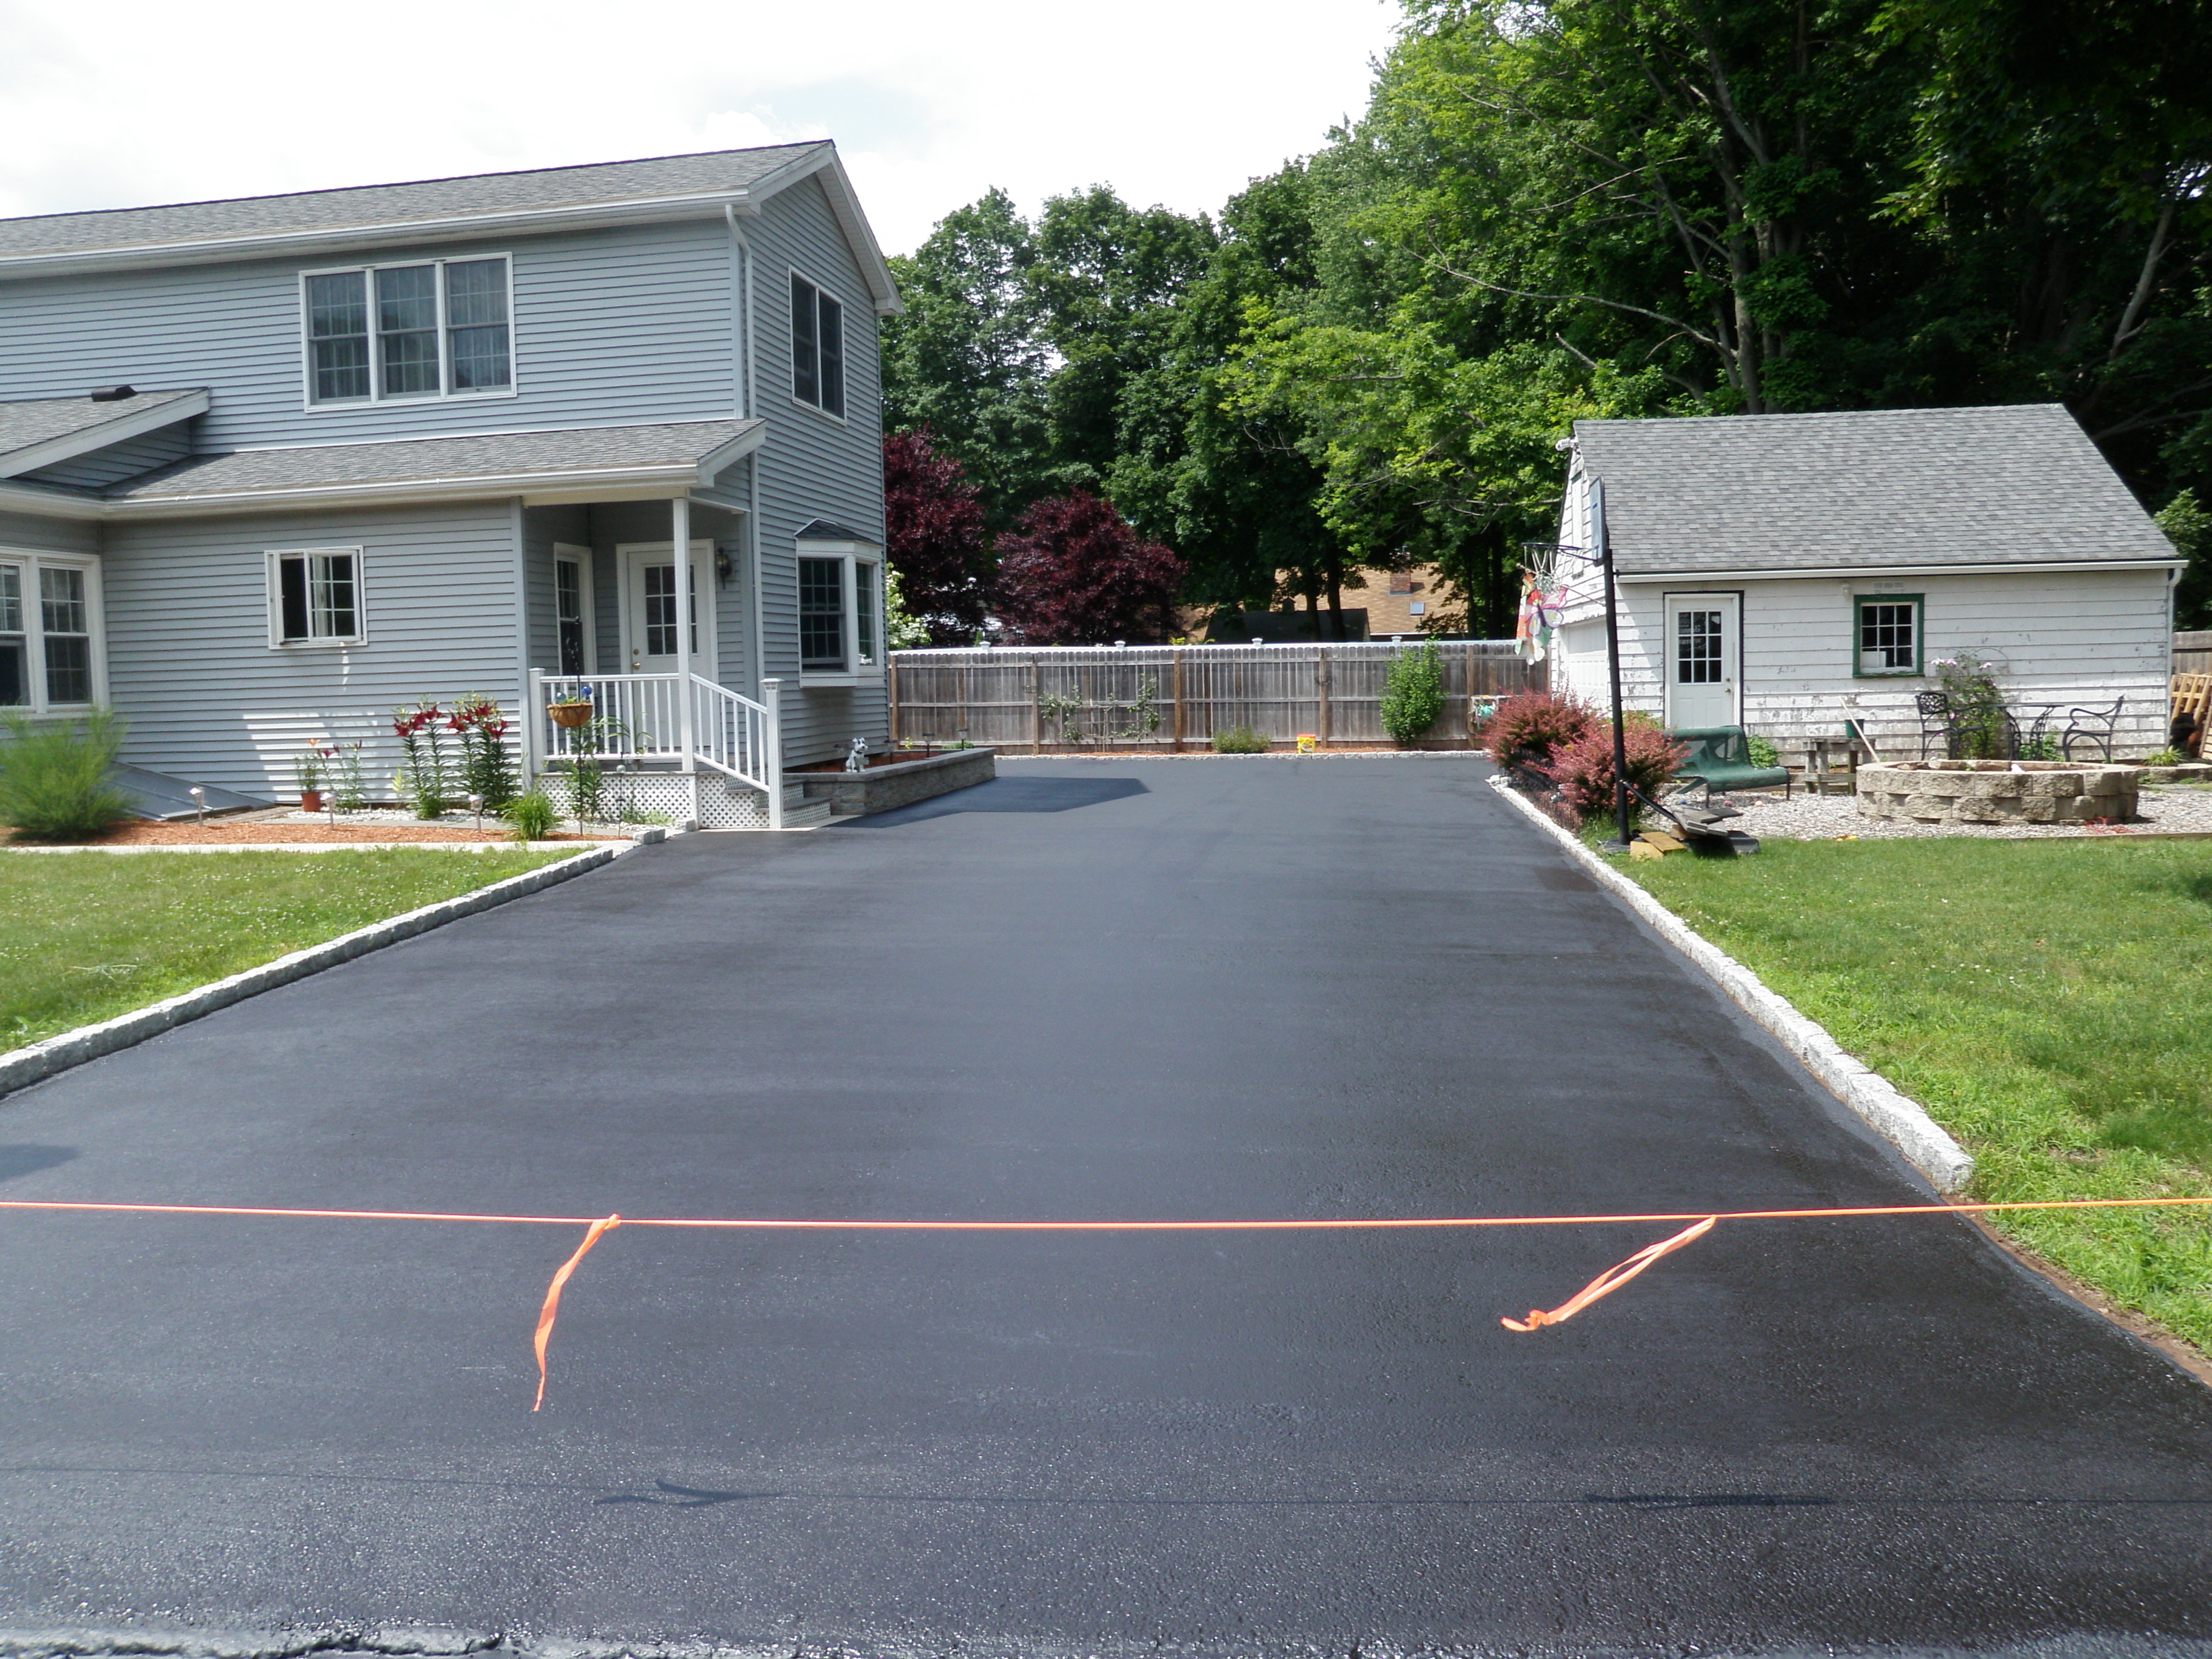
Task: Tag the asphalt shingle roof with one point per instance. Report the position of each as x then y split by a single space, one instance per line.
2018 483
370 206
434 461
36 420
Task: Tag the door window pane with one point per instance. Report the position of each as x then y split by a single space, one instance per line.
15 675
407 330
821 614
1697 647
338 336
660 610
66 623
568 613
476 321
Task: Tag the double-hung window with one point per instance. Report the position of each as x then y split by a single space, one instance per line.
315 598
840 615
1888 629
49 639
435 328
817 348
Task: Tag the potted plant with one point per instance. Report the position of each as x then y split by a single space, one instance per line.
572 710
308 772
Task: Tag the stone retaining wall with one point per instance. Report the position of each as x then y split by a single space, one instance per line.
1997 792
880 788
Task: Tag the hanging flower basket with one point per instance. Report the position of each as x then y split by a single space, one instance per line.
568 716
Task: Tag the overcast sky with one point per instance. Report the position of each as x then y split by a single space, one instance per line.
123 103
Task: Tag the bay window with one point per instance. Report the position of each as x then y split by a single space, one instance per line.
839 616
430 328
50 631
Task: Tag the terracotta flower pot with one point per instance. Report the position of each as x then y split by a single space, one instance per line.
311 800
569 716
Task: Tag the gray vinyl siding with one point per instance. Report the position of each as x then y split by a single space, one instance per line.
611 327
41 535
118 461
813 466
208 699
542 526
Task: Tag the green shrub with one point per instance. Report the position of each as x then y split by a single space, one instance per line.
2157 757
1413 694
532 817
1239 740
1760 750
53 776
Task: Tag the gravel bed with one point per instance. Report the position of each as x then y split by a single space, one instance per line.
1831 817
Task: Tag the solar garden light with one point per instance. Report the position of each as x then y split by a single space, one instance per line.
199 801
476 805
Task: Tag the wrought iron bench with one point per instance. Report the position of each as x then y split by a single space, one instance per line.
1720 759
2091 725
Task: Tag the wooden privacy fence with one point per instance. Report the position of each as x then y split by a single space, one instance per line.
1174 697
2192 653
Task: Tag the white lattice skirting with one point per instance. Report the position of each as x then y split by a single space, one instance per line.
708 799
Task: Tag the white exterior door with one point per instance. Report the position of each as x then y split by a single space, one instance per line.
1705 650
648 608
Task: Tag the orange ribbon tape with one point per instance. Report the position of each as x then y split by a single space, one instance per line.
1608 1281
552 1308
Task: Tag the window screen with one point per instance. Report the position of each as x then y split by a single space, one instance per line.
407 330
338 337
821 614
317 597
476 324
66 621
14 644
817 348
415 331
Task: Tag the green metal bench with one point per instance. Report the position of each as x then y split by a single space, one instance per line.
1720 759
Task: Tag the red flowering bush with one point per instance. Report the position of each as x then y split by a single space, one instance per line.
1583 768
1529 729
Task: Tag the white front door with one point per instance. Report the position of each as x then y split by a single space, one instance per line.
1704 648
648 608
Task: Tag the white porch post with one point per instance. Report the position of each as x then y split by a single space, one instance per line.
772 749
533 729
687 714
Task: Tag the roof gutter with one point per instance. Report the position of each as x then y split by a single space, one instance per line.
1854 572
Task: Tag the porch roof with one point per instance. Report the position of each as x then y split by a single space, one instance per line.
2011 485
581 463
36 432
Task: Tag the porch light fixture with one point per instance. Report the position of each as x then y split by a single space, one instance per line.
724 566
1602 559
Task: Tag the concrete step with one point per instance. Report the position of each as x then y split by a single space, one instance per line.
810 815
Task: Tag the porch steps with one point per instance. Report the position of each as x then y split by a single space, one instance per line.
803 814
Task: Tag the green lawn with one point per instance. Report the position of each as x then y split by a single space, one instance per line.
91 935
2049 1002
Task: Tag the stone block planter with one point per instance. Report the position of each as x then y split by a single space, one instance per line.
902 783
1997 792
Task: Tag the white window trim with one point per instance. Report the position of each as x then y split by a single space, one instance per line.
568 553
839 300
34 633
376 398
275 597
860 563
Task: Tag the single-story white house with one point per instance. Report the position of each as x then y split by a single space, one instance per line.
1784 573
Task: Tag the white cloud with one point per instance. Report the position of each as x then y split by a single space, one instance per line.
129 102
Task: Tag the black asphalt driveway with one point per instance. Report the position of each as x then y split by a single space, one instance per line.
1204 989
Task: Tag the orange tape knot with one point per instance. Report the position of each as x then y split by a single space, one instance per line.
552 1308
1607 1282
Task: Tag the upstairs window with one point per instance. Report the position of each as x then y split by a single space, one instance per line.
49 632
817 348
314 597
435 328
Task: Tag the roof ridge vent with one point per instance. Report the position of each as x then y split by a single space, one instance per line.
112 394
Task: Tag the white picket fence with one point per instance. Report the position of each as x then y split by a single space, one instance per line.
1087 697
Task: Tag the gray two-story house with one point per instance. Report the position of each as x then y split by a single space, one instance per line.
271 467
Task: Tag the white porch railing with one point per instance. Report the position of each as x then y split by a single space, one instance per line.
664 719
